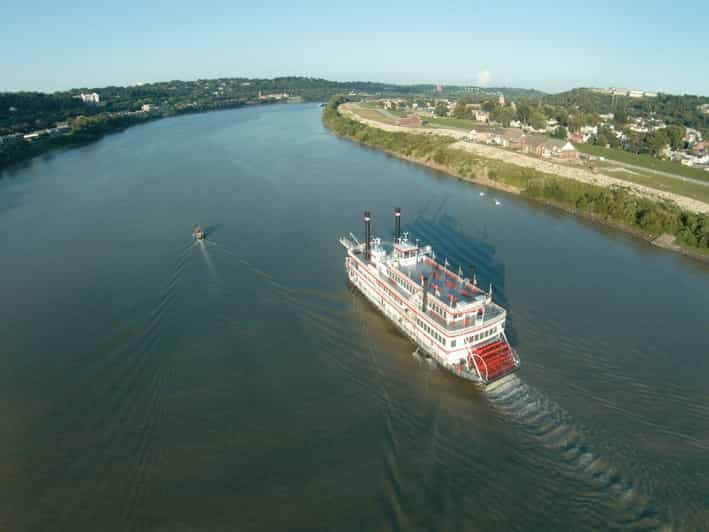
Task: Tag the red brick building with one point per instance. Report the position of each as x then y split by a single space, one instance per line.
410 121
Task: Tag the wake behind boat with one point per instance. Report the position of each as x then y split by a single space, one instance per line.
445 314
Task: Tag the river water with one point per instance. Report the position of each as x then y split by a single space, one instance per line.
150 382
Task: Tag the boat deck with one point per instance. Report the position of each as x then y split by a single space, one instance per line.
492 310
443 283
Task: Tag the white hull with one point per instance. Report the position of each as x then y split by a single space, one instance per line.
409 330
447 316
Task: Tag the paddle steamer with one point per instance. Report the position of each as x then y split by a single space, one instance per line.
445 314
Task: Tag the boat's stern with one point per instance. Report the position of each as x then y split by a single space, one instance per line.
494 360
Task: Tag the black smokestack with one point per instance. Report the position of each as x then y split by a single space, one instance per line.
424 301
397 224
367 234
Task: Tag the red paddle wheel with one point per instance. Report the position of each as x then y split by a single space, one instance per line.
493 360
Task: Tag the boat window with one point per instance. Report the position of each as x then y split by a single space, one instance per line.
453 342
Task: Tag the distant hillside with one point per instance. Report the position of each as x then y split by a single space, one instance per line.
684 109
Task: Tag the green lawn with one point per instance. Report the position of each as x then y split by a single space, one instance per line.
460 123
668 184
644 160
374 114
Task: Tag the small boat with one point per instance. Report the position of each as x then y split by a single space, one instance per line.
482 193
497 202
198 233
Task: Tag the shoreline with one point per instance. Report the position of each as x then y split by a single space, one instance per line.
663 241
75 140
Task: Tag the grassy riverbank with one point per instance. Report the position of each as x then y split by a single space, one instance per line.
660 222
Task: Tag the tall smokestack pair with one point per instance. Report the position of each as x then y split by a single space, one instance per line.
368 230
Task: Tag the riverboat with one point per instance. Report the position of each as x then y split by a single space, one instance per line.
445 314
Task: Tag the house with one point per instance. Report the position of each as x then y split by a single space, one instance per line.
700 148
578 138
589 131
274 96
89 97
692 135
569 153
547 148
515 139
410 121
481 116
29 137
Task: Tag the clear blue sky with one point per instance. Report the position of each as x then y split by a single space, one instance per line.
648 45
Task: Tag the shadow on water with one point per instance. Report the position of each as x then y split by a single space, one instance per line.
451 242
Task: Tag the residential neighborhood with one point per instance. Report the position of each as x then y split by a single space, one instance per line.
546 129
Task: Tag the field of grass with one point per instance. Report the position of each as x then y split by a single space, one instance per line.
644 160
669 184
460 123
374 114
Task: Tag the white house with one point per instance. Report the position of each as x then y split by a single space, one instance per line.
91 97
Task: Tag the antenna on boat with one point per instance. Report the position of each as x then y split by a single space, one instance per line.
491 290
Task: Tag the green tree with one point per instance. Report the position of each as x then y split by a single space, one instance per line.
609 136
461 110
562 117
620 116
657 141
441 109
523 111
561 133
537 120
675 134
489 105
